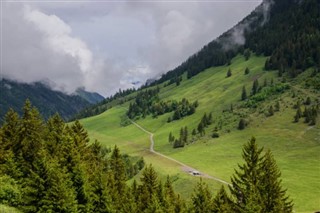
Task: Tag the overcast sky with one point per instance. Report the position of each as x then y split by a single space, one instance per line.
107 45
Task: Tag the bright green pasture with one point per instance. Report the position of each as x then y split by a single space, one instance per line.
296 147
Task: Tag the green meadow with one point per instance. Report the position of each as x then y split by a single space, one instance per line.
295 146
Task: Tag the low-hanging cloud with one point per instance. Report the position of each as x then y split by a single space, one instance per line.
104 46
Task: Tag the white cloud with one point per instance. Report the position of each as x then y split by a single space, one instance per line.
107 45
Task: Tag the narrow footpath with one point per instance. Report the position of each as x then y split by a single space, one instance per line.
185 167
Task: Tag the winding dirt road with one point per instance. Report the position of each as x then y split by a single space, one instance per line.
185 167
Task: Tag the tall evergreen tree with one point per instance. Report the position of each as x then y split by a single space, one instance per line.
201 198
244 93
221 202
255 87
229 73
256 186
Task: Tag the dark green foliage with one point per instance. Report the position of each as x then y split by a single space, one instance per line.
181 109
270 111
229 73
292 49
277 106
308 101
215 135
256 186
221 202
171 137
201 129
255 87
267 92
204 123
246 71
142 105
244 93
310 115
201 198
52 167
242 124
247 54
183 139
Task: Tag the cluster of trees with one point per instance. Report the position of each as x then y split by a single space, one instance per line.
204 123
52 167
182 109
260 93
309 114
101 107
182 140
142 105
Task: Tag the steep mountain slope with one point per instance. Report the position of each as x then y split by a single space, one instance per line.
14 94
91 97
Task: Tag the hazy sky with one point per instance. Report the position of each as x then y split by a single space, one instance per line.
107 45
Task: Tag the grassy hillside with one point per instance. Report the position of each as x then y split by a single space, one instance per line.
296 146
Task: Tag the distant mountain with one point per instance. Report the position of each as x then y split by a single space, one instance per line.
48 101
91 97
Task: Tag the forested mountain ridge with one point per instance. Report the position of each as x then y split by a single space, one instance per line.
13 95
285 31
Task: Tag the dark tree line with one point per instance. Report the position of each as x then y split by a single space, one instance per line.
142 105
291 49
54 168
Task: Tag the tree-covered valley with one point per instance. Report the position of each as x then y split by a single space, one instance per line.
234 128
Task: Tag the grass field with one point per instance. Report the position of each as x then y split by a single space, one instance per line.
296 146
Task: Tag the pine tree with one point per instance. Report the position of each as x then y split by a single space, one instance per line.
255 87
308 101
245 181
201 128
271 111
244 93
229 73
273 196
201 198
209 120
222 203
118 169
256 186
242 124
147 191
277 106
246 71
